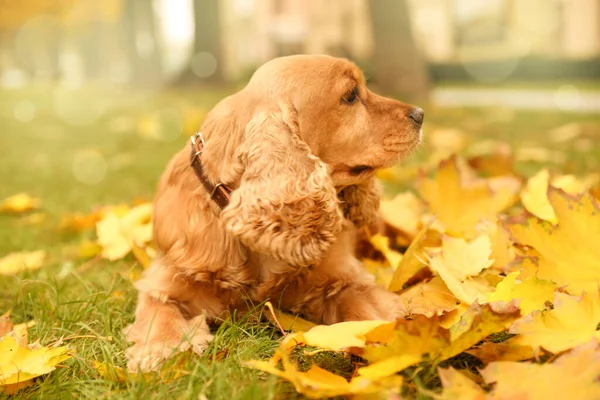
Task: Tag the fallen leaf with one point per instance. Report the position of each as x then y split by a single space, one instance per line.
403 212
411 262
460 203
14 263
569 254
458 386
342 335
573 375
19 203
535 194
459 262
429 298
19 364
477 323
382 243
572 322
533 293
117 234
503 351
120 375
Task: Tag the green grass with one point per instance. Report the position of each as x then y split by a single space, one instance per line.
90 303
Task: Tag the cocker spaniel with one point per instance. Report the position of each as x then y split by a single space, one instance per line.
265 202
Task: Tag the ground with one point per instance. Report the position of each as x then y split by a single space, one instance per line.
61 159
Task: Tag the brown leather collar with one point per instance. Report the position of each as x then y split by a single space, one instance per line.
219 193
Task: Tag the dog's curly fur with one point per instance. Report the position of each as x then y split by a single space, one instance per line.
299 145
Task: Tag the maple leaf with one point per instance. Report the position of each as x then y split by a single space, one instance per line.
117 235
458 386
382 243
460 203
535 194
411 262
403 212
573 375
20 364
569 252
414 339
503 351
429 298
459 262
477 323
533 293
571 322
17 262
317 382
19 203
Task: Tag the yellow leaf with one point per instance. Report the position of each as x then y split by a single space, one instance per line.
342 335
287 321
569 252
412 340
459 262
117 374
571 322
17 262
19 203
117 234
535 195
533 293
504 351
429 298
20 364
318 383
503 253
476 324
403 212
382 243
459 204
573 375
458 386
411 261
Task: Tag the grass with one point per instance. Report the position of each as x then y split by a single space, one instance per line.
88 304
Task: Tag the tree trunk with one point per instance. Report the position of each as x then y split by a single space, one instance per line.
142 46
206 61
398 67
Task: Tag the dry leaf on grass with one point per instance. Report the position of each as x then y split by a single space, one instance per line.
570 251
460 203
14 263
573 375
572 322
19 203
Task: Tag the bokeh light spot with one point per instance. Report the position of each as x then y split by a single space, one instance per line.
24 111
203 64
89 166
77 107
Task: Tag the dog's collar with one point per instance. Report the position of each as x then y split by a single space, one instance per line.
219 193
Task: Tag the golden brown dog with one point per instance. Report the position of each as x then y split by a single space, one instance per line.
299 147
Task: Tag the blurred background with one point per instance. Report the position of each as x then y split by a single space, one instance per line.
96 95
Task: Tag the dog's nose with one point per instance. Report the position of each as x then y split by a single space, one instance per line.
417 115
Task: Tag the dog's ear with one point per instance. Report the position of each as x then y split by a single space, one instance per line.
286 204
361 202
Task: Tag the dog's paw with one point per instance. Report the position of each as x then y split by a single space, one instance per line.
149 355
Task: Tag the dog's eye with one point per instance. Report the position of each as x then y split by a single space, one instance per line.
351 96
360 169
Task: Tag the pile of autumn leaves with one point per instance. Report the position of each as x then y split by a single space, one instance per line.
484 256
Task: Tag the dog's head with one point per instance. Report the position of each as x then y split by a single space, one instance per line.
300 144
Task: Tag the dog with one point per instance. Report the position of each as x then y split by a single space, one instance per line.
264 203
